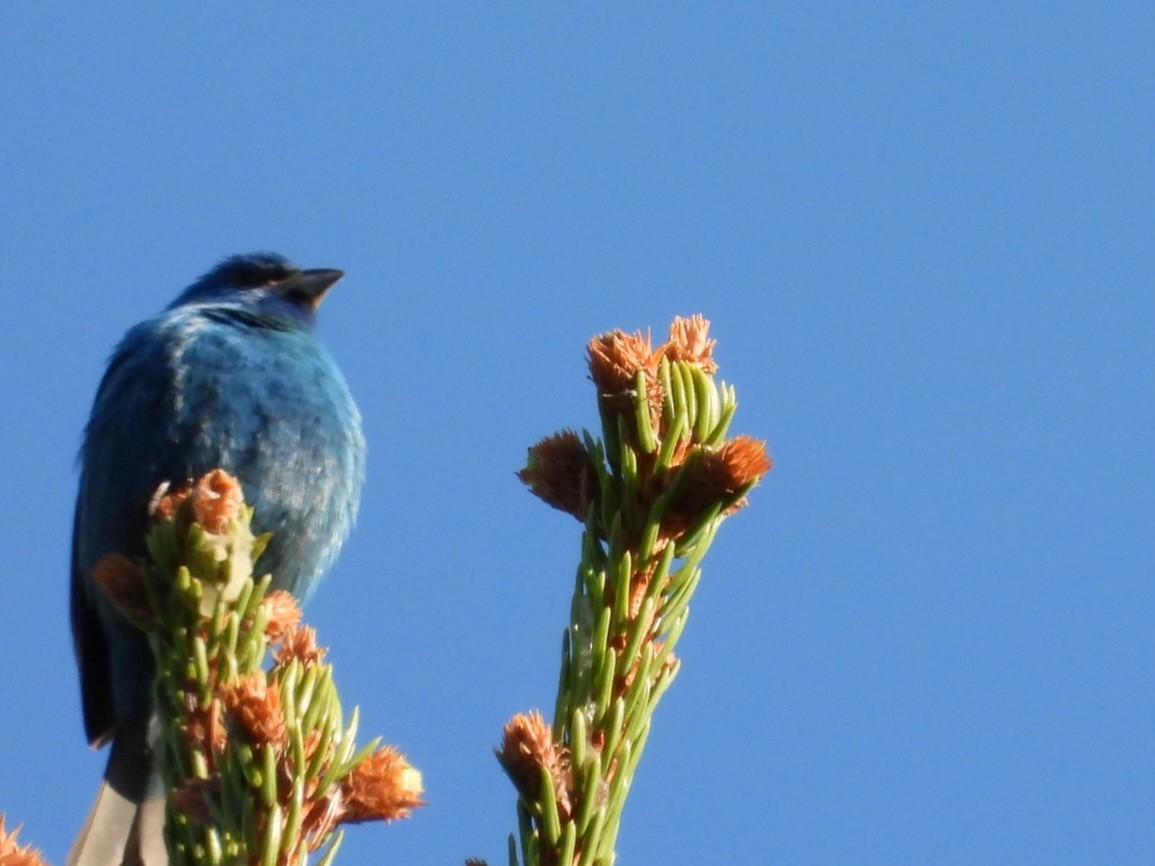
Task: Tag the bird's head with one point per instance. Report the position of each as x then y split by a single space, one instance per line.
263 284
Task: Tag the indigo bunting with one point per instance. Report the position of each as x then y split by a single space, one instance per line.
231 376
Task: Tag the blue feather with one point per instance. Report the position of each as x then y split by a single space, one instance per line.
230 375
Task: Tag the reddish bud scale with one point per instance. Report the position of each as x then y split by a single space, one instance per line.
383 787
217 500
14 854
689 342
299 642
256 708
561 473
283 613
526 748
122 580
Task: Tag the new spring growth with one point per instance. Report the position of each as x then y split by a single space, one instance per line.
259 762
651 493
655 396
14 854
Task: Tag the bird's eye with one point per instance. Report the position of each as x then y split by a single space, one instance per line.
279 275
270 276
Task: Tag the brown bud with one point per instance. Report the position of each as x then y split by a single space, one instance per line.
527 746
14 854
383 787
191 798
689 342
283 613
217 500
166 501
560 472
721 475
299 642
122 580
615 359
256 708
203 727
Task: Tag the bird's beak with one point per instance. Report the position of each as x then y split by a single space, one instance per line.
310 286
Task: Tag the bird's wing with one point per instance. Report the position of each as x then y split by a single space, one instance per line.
124 445
90 645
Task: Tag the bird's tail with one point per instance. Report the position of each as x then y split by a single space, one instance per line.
126 824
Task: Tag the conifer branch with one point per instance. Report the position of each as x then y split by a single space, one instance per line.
651 493
258 761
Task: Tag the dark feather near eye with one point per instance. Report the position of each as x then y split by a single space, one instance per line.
251 271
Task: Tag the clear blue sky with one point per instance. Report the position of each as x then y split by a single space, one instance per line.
924 235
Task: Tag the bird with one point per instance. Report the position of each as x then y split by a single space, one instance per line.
230 375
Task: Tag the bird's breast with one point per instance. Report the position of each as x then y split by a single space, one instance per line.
272 408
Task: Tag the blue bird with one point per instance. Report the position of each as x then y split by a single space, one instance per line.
230 375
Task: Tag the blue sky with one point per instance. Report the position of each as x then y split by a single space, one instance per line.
923 233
